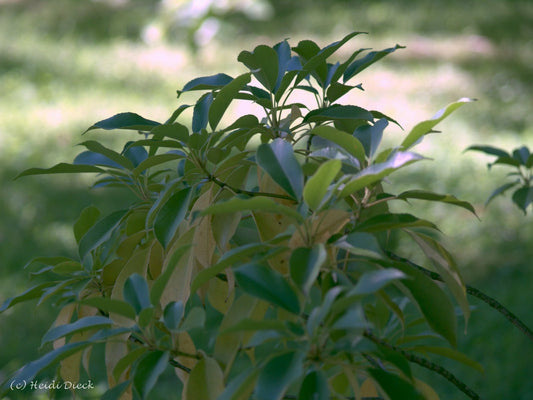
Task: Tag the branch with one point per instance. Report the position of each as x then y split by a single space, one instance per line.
247 192
476 293
179 365
426 364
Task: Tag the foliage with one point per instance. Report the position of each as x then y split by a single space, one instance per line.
256 258
522 161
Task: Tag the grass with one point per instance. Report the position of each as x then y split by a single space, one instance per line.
67 65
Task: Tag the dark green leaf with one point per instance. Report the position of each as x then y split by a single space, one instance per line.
136 292
278 374
385 222
109 305
521 155
336 90
224 97
85 221
305 264
344 140
61 168
314 387
156 160
501 190
116 392
523 197
442 198
92 158
200 116
371 282
425 127
173 314
170 216
370 136
395 387
80 325
207 83
148 371
493 151
338 111
452 354
260 281
97 147
263 63
30 294
100 232
278 160
126 120
364 62
175 131
361 244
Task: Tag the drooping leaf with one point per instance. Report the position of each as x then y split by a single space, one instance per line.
30 294
173 314
260 281
136 292
224 97
100 232
451 354
316 187
523 197
278 160
276 376
425 127
200 116
442 198
385 222
61 168
490 150
170 216
371 282
501 190
434 304
125 120
148 371
338 111
305 264
395 387
81 324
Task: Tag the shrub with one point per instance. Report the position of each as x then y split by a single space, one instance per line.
258 257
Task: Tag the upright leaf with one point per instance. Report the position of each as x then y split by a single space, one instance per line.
148 371
395 387
305 264
317 186
100 232
206 381
278 160
224 97
263 62
200 116
366 61
170 216
136 292
278 374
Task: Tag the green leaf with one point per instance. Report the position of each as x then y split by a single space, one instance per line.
170 216
366 61
161 282
206 381
305 264
200 116
61 168
432 302
501 190
523 197
207 83
336 90
451 354
446 267
260 281
314 387
127 361
376 172
263 62
388 221
126 120
80 325
338 112
317 186
30 294
136 292
361 244
175 131
342 139
224 97
100 232
235 205
371 282
442 198
148 371
156 160
97 147
370 136
490 150
521 155
278 160
173 314
240 387
109 305
277 375
85 221
230 258
395 387
425 127
116 392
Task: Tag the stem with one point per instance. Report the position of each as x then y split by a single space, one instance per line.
426 364
177 364
495 304
224 185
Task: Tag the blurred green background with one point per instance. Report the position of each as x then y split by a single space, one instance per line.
65 64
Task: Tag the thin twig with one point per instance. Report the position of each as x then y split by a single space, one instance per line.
495 304
426 364
179 365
